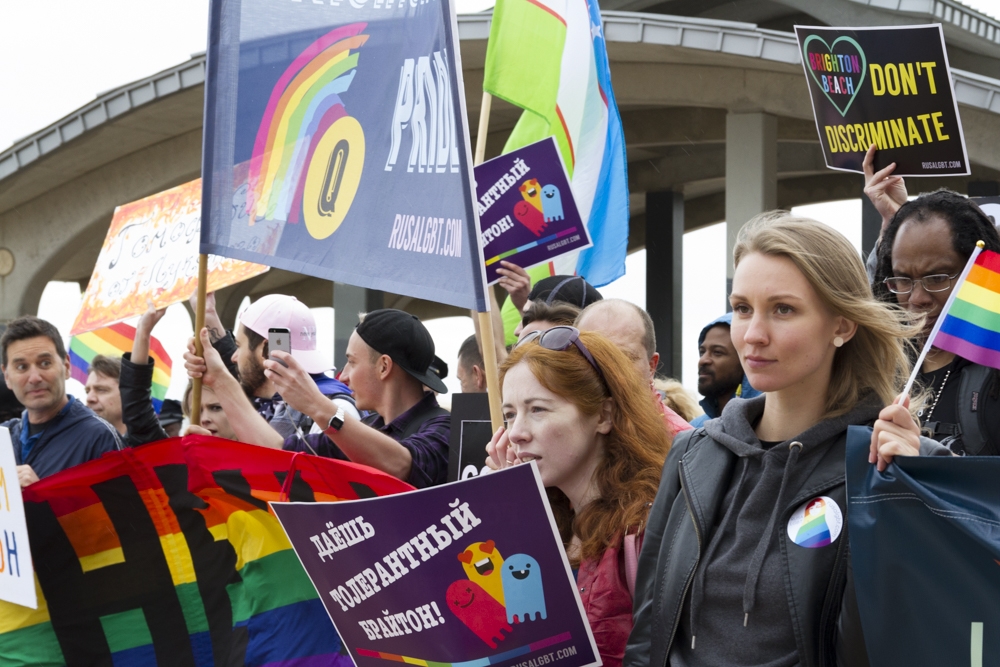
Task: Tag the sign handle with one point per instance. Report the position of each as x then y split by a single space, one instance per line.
199 324
487 343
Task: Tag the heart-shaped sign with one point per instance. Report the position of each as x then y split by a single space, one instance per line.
843 72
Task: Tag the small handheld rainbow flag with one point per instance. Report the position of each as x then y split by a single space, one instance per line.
971 328
112 342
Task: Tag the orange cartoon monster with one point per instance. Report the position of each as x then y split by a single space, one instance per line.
482 562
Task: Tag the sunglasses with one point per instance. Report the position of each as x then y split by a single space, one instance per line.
562 338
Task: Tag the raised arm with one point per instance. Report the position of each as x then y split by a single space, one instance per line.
141 423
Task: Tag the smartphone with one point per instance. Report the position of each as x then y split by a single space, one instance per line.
278 339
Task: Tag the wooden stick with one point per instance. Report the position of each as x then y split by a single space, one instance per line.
199 324
487 342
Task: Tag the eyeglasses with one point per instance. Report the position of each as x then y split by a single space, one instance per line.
561 338
939 282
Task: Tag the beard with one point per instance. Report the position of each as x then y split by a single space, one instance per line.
252 378
715 386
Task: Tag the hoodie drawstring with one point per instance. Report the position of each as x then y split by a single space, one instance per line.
698 585
757 561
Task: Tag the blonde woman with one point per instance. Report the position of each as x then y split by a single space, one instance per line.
726 576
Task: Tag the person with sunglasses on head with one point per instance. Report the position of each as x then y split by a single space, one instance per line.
574 406
725 575
923 247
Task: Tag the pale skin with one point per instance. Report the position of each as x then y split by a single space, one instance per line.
542 426
516 281
104 398
37 376
378 385
621 325
786 338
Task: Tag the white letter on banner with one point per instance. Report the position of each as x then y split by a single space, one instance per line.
442 538
401 114
423 120
424 546
445 114
366 528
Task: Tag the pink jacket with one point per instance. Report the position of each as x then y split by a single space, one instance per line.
607 601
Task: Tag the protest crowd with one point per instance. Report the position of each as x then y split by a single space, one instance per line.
696 532
667 524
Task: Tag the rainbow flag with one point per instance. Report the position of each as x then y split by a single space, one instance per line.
114 341
168 554
971 328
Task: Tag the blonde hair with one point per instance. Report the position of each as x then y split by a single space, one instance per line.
676 397
875 359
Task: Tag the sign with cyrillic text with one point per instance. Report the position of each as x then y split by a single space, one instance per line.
336 145
17 575
888 86
527 214
151 254
465 574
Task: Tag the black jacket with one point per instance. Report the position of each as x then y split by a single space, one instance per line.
75 436
135 386
819 585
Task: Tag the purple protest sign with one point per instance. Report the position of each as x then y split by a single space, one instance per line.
527 214
469 574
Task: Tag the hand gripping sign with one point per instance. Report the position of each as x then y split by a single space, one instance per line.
888 86
444 577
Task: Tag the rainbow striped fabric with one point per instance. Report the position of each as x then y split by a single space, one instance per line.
112 342
971 328
168 554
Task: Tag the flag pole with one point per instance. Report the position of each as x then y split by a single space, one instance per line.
940 320
488 342
199 324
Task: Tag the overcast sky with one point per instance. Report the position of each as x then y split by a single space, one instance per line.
59 54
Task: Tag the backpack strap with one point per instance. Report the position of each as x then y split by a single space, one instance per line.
971 397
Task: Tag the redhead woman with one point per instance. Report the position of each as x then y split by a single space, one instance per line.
574 404
725 577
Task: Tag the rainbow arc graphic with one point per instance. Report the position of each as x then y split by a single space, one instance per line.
304 103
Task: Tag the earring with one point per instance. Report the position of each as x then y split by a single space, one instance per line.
838 342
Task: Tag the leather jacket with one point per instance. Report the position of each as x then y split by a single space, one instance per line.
819 582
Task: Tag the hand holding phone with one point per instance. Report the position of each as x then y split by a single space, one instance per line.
278 339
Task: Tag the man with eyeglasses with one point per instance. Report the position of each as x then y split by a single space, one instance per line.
924 245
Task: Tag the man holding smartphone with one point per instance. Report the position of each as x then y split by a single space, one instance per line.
245 353
388 364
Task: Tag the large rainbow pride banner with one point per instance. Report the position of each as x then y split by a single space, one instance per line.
336 145
168 554
112 342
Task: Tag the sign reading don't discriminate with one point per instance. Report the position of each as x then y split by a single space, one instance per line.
888 86
336 145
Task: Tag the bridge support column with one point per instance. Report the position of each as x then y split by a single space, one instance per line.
348 302
664 275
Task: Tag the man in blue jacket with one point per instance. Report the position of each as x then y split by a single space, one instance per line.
720 374
55 431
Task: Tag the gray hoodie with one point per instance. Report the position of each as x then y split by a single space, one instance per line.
738 612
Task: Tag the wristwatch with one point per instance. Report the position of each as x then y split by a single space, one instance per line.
336 421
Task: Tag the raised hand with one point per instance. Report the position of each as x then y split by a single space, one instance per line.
516 281
895 434
500 452
886 192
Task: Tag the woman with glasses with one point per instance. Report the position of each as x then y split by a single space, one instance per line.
924 246
574 405
746 558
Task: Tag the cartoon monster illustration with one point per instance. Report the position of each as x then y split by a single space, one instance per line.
522 588
530 217
530 191
552 206
480 612
481 562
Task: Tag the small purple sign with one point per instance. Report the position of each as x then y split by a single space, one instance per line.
468 574
527 214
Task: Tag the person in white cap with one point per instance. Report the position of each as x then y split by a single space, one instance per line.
246 351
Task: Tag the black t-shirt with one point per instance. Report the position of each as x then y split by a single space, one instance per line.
946 411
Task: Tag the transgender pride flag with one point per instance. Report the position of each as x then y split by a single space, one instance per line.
549 58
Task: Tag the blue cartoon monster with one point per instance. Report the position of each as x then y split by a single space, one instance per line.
522 588
552 203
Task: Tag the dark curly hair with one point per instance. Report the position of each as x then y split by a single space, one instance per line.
967 221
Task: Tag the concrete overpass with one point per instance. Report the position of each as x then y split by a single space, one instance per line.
717 122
